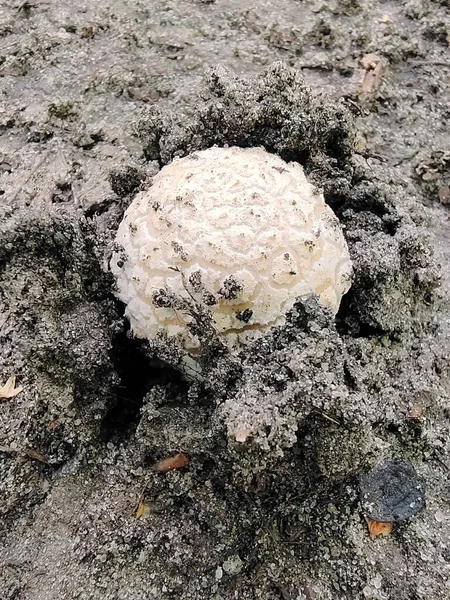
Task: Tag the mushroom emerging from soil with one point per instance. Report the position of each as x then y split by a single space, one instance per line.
241 225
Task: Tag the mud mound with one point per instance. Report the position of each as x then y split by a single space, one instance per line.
325 399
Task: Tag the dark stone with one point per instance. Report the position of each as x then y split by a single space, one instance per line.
392 492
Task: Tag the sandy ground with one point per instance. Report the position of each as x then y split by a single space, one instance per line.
84 92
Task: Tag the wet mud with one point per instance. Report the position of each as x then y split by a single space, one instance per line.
95 99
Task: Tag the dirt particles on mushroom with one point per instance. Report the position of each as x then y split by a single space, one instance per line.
120 478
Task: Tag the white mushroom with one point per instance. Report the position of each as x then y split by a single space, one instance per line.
250 224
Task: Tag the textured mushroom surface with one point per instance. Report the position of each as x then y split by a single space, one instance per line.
253 227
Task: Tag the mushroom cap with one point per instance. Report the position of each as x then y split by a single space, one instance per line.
253 227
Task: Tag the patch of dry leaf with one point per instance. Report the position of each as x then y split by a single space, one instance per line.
9 389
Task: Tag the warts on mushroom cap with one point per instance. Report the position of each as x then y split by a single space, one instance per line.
244 221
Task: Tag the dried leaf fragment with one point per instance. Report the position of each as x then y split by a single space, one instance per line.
374 66
444 194
378 528
142 509
9 389
176 461
35 455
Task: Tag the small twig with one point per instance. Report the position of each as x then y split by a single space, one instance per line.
406 158
444 464
325 416
26 6
428 63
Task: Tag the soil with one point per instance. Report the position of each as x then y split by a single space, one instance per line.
94 99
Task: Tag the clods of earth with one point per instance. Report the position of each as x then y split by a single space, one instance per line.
121 478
